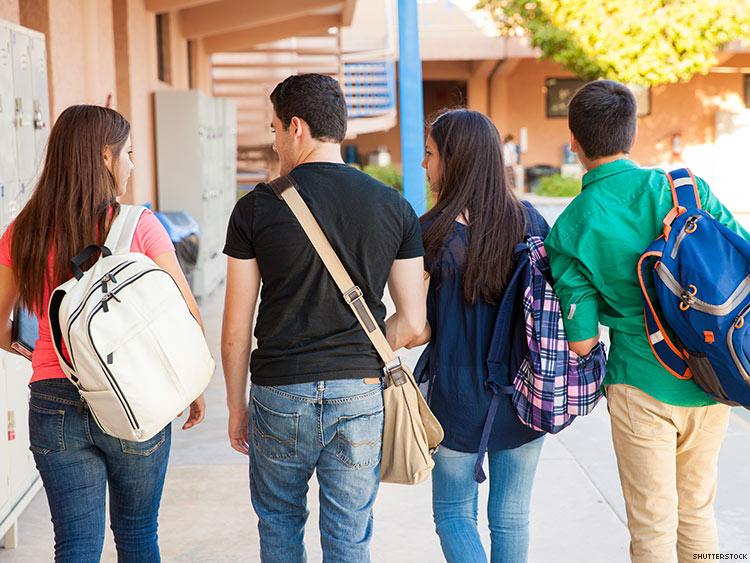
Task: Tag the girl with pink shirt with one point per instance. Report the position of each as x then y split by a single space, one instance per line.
87 167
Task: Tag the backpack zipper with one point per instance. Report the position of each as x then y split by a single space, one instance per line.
82 304
739 295
683 233
730 344
111 273
113 382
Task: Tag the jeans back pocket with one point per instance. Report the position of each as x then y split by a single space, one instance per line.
46 429
360 439
274 433
146 448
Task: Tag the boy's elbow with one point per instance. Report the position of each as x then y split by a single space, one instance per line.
419 333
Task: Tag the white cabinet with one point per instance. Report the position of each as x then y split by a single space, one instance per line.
24 118
197 171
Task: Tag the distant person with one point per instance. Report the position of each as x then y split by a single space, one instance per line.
86 170
511 159
510 151
666 431
315 403
469 237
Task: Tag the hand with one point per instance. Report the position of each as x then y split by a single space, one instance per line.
238 420
197 413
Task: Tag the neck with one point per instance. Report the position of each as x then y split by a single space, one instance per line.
590 164
321 152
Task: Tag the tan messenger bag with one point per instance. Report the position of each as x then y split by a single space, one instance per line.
411 433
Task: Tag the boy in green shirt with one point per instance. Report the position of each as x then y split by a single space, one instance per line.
666 431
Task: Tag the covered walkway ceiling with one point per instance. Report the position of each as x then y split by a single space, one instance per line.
253 44
238 25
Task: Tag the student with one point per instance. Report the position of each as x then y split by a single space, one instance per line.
316 401
469 239
88 163
666 431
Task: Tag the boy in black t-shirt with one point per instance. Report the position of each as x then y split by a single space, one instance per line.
316 396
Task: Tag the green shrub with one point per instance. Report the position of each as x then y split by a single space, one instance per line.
557 186
389 175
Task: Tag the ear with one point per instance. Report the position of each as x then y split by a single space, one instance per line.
297 127
108 158
574 146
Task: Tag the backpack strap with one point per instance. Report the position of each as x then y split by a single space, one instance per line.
122 230
685 196
665 351
499 350
684 189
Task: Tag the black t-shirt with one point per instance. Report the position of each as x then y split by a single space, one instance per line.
305 330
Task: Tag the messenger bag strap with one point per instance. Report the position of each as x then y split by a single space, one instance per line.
287 190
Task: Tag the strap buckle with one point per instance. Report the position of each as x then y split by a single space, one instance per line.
396 372
353 294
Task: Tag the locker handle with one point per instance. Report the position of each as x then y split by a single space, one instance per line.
38 119
19 113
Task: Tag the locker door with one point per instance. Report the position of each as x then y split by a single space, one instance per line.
12 202
4 451
22 469
23 104
40 116
8 172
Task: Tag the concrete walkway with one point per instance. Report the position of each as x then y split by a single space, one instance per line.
578 515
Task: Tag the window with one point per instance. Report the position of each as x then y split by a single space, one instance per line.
559 92
162 48
747 90
190 56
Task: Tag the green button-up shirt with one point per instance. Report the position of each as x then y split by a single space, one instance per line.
594 249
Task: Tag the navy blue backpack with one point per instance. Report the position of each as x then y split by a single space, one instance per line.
701 274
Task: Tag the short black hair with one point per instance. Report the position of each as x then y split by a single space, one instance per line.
602 118
316 99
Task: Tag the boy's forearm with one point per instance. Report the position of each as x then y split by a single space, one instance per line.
423 338
235 360
401 333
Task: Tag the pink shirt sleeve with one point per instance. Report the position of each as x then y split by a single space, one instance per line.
151 237
5 247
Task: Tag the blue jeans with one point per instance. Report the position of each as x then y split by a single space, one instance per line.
454 503
77 462
334 428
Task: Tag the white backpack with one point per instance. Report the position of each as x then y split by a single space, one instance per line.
137 355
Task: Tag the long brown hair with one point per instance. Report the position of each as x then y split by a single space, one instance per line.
473 182
70 207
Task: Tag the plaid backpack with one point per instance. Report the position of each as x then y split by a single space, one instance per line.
553 385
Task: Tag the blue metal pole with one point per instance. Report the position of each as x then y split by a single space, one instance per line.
411 105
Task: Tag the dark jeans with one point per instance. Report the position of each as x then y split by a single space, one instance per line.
78 462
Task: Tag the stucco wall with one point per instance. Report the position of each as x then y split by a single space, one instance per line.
688 108
517 99
9 11
102 51
137 80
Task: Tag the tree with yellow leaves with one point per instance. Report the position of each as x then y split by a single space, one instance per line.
645 42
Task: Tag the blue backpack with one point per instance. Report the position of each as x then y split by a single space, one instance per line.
701 274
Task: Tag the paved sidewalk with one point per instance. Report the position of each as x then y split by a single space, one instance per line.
577 511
